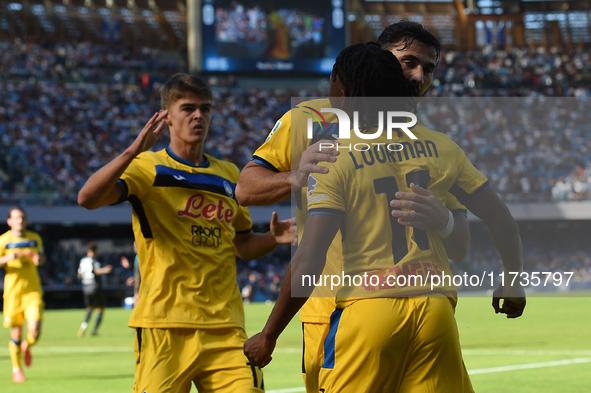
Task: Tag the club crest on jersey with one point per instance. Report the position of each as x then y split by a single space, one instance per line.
228 189
311 185
275 127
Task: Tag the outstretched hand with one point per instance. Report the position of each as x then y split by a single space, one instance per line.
423 209
150 133
282 230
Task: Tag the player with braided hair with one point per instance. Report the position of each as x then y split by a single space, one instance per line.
272 175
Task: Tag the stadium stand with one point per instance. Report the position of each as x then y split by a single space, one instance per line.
81 111
82 79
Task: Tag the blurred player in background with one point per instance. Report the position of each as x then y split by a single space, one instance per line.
21 252
386 337
89 271
136 278
269 178
189 229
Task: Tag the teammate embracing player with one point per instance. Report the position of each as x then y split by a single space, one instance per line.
188 229
444 373
269 178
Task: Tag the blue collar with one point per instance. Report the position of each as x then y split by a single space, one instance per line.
205 164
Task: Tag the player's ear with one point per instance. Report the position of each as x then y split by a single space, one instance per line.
342 97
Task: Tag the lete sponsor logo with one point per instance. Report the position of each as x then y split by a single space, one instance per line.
197 208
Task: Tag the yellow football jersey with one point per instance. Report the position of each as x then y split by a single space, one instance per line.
21 273
284 146
185 218
360 186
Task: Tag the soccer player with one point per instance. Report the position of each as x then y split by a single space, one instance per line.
189 229
92 288
269 178
21 252
390 337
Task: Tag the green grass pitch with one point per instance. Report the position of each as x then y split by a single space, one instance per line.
546 350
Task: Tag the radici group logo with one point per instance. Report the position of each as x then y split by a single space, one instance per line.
392 119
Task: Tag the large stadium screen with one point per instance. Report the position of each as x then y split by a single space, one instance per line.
301 36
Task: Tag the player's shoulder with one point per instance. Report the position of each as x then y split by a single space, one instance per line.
318 103
150 158
5 235
223 166
423 130
33 235
5 238
302 108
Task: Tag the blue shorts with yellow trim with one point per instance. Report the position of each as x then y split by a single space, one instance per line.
404 345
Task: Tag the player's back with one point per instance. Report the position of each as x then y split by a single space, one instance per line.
360 186
86 270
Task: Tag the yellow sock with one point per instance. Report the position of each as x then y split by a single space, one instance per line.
30 339
15 354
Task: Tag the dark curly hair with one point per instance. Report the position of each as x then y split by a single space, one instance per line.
367 70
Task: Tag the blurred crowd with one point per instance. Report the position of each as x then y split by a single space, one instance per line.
555 72
68 108
84 62
55 133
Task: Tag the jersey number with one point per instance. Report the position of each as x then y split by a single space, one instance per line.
389 186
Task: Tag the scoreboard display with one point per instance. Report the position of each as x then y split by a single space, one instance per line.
302 36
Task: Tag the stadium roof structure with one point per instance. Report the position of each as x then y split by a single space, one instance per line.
153 23
467 24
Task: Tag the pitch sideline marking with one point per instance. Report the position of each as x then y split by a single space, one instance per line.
529 366
483 370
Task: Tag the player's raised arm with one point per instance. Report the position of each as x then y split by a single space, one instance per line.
101 188
308 260
259 185
505 235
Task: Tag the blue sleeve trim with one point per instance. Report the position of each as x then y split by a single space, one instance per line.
463 197
262 162
459 212
479 192
326 211
123 197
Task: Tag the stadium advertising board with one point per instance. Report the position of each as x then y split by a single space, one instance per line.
301 36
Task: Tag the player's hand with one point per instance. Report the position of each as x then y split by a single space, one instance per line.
294 232
129 281
512 306
150 133
125 262
108 269
258 350
426 212
310 158
35 258
281 230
